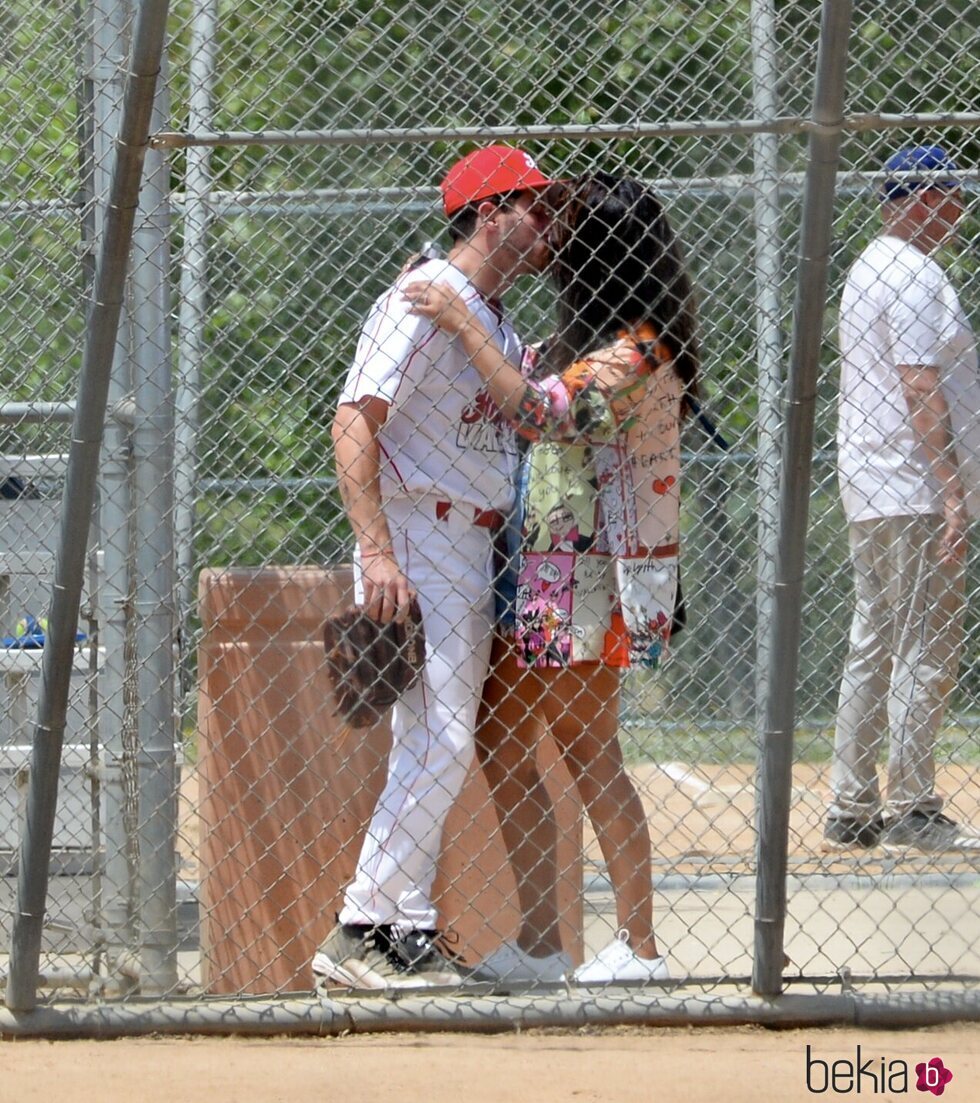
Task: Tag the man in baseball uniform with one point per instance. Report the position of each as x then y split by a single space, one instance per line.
425 465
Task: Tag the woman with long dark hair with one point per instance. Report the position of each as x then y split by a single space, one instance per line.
601 405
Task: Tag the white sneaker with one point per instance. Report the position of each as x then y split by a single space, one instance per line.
618 963
510 962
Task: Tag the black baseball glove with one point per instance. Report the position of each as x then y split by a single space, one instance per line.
370 665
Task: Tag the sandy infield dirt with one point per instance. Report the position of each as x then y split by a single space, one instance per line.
611 1065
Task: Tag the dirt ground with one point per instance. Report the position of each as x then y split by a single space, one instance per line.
613 1065
701 814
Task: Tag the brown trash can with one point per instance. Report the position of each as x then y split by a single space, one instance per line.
287 791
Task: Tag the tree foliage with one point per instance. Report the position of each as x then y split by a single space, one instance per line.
291 276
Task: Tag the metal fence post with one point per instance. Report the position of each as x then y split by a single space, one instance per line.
109 29
78 500
769 351
154 586
776 753
191 346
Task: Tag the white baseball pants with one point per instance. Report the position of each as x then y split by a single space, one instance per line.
449 562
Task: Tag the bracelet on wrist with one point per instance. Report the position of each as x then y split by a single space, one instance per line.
388 549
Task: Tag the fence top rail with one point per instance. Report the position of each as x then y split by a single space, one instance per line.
579 132
788 124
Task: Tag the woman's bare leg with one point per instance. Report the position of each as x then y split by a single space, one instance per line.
582 708
508 730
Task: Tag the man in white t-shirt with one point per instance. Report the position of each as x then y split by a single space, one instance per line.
425 464
908 448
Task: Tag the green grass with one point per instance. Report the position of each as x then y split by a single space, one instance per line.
717 744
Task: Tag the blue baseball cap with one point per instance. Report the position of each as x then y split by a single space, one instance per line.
932 161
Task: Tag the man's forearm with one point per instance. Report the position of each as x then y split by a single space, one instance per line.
933 429
929 414
357 452
358 460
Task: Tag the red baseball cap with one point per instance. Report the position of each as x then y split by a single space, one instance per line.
494 170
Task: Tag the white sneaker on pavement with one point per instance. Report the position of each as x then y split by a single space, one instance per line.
509 962
618 963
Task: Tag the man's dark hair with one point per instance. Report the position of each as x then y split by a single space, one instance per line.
618 263
462 224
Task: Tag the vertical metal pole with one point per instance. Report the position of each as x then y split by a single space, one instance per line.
110 22
86 141
776 753
89 238
77 504
769 346
193 298
152 438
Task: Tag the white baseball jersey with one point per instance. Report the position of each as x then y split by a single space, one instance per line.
443 436
898 307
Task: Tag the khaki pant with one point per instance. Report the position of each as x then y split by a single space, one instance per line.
901 666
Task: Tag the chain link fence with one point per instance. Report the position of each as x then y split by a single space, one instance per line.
211 806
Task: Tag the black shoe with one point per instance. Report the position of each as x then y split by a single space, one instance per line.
424 954
356 957
850 833
929 833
